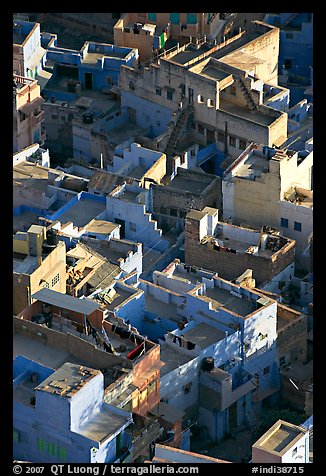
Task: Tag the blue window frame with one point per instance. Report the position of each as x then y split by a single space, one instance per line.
151 16
284 222
191 18
175 18
297 226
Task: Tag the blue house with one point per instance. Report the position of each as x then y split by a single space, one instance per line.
60 416
96 66
296 50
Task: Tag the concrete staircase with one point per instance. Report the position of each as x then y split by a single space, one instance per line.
247 94
178 130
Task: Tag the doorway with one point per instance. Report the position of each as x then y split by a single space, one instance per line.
89 81
122 228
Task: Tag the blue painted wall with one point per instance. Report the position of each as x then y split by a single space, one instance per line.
104 67
56 421
148 114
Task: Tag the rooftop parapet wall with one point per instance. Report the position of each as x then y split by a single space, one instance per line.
70 343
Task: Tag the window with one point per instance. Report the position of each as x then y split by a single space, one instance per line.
55 279
294 452
151 16
232 141
297 226
285 222
266 370
183 89
63 118
182 159
16 436
52 449
187 387
210 103
62 452
173 212
200 99
201 129
163 210
288 64
41 444
132 226
108 80
158 91
233 90
282 362
131 85
54 116
242 144
169 95
220 136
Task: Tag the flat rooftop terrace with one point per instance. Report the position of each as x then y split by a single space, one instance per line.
235 45
128 196
223 298
277 439
91 58
102 425
172 359
252 167
212 72
253 116
185 56
167 310
25 171
101 226
191 53
46 355
64 380
118 298
80 213
124 132
137 172
187 185
26 265
203 335
23 221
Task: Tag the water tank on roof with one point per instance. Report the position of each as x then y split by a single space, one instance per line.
52 237
208 364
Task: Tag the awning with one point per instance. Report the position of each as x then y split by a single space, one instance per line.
83 306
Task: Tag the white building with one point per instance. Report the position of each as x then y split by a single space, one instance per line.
282 443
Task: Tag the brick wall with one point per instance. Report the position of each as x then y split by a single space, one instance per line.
229 265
